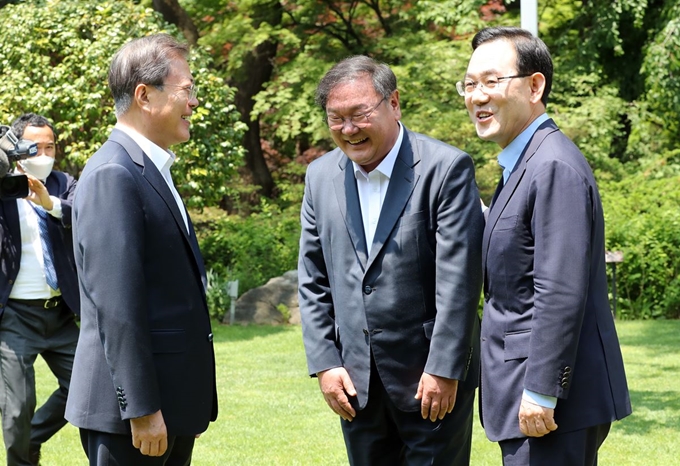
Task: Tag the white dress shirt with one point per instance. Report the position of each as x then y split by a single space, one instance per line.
372 188
162 159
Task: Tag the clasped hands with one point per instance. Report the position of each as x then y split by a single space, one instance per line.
437 394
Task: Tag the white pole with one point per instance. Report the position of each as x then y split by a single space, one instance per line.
529 16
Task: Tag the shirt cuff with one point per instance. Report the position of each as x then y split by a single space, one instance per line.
544 401
56 207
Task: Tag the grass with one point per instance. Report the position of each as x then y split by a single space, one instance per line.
271 413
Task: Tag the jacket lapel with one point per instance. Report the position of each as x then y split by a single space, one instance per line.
402 182
350 207
502 197
156 180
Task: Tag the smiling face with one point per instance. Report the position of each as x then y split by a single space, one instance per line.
366 146
168 110
502 113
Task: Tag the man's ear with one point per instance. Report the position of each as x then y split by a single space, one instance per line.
537 83
141 95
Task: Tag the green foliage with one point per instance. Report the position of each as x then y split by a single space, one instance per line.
217 294
643 220
249 249
55 62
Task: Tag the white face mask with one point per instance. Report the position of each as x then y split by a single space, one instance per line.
39 166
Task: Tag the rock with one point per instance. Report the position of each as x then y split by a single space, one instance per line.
264 304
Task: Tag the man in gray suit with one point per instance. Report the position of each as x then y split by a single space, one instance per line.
390 277
143 384
552 373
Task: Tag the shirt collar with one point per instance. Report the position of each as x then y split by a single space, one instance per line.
510 155
387 164
161 158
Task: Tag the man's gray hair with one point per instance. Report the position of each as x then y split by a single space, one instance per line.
146 60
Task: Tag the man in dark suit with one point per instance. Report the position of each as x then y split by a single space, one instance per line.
552 373
39 296
143 385
389 276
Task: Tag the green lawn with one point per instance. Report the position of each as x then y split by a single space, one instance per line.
271 413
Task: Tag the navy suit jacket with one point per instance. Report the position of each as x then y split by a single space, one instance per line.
547 325
412 302
60 185
145 340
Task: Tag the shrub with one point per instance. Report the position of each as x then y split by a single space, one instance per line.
250 249
643 220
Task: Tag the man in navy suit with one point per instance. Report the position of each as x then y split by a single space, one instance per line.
552 373
390 277
39 296
143 385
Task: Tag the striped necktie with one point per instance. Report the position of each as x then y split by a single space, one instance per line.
48 256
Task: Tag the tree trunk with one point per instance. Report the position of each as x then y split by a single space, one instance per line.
255 71
173 13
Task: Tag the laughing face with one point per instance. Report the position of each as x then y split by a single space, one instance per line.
171 107
369 145
502 113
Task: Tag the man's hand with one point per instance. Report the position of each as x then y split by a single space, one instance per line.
38 193
335 385
437 395
535 420
149 434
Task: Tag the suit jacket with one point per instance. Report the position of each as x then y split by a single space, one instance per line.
145 340
412 302
547 326
60 185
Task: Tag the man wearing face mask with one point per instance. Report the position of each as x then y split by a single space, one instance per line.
38 296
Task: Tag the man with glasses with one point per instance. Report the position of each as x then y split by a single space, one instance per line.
143 385
389 276
552 373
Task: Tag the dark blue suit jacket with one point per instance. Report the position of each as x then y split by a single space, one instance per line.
60 185
547 324
145 339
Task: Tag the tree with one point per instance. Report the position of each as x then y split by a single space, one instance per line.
55 61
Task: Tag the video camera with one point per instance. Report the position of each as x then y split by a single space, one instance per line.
12 185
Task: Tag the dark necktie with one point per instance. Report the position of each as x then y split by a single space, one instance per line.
48 256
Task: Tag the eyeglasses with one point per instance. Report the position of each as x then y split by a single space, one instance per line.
360 120
192 91
488 82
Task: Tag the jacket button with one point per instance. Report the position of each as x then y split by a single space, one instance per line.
564 384
210 337
368 289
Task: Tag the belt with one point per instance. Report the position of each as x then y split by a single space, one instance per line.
53 302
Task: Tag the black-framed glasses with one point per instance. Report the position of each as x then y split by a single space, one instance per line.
467 87
360 120
192 90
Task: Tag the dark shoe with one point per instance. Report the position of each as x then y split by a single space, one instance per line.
34 457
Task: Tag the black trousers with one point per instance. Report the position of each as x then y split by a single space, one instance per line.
382 435
105 449
27 331
577 448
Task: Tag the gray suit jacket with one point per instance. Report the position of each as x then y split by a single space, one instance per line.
145 341
412 302
547 326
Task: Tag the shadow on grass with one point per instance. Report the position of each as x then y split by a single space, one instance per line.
224 333
659 334
652 410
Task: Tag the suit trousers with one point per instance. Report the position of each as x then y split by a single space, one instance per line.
577 448
382 435
105 449
27 331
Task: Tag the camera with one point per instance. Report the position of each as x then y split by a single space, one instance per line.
12 185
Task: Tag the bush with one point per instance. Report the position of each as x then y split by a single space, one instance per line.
55 59
643 220
250 249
